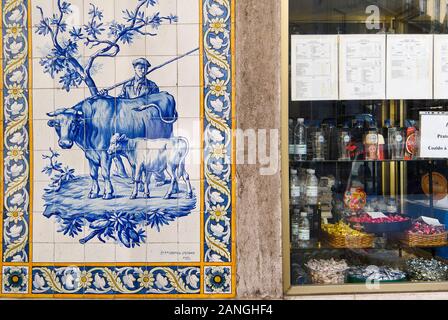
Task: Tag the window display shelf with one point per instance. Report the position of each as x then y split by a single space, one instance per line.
393 245
389 175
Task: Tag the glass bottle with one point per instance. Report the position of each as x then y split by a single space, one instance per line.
291 138
397 142
295 221
385 133
344 142
318 143
302 181
300 140
310 215
371 142
317 221
295 188
304 230
312 188
357 138
329 132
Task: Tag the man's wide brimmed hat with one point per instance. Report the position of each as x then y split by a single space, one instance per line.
141 61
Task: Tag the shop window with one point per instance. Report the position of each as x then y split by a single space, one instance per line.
365 116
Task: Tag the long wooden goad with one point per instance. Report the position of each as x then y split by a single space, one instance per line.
154 69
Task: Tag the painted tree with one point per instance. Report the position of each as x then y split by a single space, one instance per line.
64 61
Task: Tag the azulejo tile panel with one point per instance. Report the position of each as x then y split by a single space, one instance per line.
117 126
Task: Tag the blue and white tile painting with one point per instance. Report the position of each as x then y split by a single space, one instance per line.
116 139
118 117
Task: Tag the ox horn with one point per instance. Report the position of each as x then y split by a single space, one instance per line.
56 113
65 111
73 112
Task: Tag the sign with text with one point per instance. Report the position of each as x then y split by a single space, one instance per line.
434 135
441 66
409 66
362 67
314 67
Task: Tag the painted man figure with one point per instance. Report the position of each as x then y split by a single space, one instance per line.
139 86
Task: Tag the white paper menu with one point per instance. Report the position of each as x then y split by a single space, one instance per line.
362 67
314 67
440 66
409 66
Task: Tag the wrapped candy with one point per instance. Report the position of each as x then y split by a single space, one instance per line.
365 218
375 273
327 271
426 270
420 227
341 229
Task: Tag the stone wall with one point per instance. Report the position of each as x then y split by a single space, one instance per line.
259 260
259 214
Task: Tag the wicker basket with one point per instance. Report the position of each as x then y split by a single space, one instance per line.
423 240
350 242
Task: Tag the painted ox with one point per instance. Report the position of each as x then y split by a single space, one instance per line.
150 156
92 123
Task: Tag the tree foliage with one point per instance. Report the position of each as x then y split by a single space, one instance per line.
64 60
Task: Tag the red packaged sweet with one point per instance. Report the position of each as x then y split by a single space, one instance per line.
412 142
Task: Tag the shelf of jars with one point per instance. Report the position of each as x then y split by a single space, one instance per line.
359 141
348 198
365 208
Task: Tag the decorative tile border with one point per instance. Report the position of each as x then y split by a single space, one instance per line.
218 130
116 280
218 280
217 237
15 280
16 131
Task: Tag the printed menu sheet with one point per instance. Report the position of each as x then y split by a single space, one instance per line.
410 66
362 67
440 66
314 67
